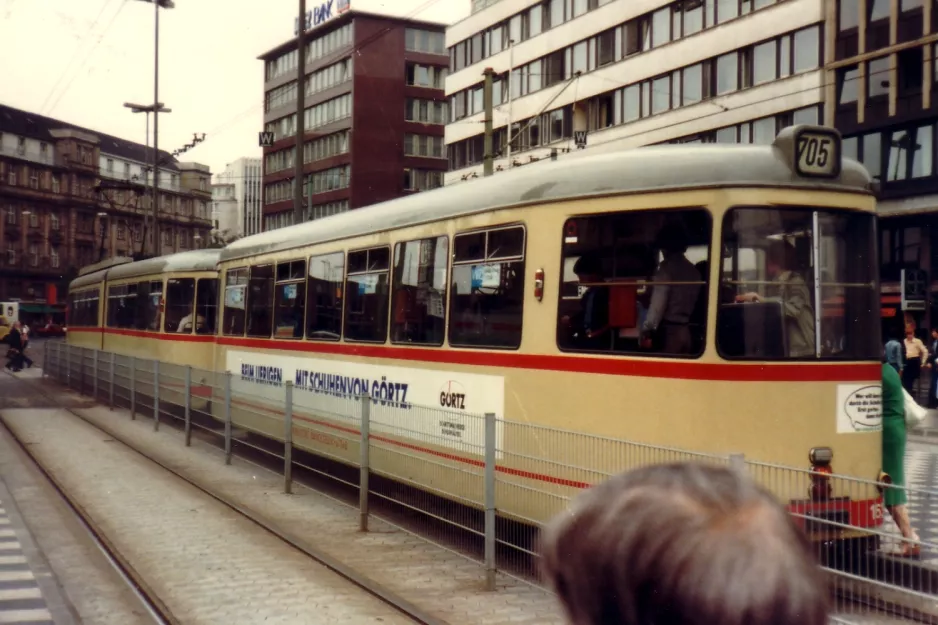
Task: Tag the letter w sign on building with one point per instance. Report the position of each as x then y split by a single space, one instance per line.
265 139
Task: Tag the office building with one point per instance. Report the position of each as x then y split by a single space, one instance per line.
618 74
71 196
236 199
882 96
373 120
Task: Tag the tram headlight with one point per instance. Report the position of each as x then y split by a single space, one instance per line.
820 456
821 488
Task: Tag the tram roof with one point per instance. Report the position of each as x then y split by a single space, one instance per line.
658 168
194 260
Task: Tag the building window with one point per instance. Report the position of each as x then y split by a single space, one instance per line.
848 14
848 84
877 72
807 49
54 223
764 62
54 257
727 73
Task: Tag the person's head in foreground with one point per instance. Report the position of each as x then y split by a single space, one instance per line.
678 544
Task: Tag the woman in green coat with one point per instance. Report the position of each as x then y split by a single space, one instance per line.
894 459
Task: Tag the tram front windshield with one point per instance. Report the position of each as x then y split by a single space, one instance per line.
798 283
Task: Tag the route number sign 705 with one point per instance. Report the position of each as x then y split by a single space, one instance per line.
817 154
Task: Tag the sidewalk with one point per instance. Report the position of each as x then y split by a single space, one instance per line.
927 432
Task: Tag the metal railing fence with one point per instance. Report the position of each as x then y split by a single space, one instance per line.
482 486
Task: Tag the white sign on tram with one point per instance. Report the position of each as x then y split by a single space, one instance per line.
442 408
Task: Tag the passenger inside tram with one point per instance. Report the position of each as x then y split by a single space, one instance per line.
804 280
608 297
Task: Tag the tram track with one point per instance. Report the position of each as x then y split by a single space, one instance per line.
876 602
136 580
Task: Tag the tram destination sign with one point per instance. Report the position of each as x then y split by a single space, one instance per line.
817 152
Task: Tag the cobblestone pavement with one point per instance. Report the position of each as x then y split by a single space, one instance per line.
207 563
440 582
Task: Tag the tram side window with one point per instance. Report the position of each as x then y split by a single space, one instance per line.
180 296
798 283
366 288
121 306
206 305
635 283
324 292
260 303
236 282
418 309
83 309
290 299
147 315
487 296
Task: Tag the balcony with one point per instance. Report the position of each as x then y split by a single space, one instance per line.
46 157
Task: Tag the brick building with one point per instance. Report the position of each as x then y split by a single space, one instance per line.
71 196
374 115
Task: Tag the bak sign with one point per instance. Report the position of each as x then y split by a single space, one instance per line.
321 14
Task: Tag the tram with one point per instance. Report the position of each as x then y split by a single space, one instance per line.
162 308
528 296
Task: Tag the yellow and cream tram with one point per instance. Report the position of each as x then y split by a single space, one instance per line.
161 308
528 295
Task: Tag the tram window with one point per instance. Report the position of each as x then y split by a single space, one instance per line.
180 296
260 301
121 306
418 309
487 296
236 281
206 305
290 299
366 288
149 294
800 285
324 297
635 283
83 309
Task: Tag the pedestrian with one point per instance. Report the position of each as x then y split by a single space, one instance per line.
24 333
15 353
933 365
916 355
893 450
683 544
894 354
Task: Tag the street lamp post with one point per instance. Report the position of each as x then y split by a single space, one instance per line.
156 109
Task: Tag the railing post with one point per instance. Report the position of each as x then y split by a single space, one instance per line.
94 374
489 493
288 439
365 463
738 463
188 406
227 417
110 381
133 388
68 366
156 395
81 370
45 358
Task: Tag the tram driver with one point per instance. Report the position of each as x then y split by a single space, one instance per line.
672 304
793 294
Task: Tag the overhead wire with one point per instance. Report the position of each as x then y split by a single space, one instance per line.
81 66
75 56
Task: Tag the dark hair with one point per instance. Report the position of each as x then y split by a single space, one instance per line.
682 544
588 264
672 238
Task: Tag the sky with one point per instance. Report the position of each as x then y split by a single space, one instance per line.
80 60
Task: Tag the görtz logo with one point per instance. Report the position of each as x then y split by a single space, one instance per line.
453 395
